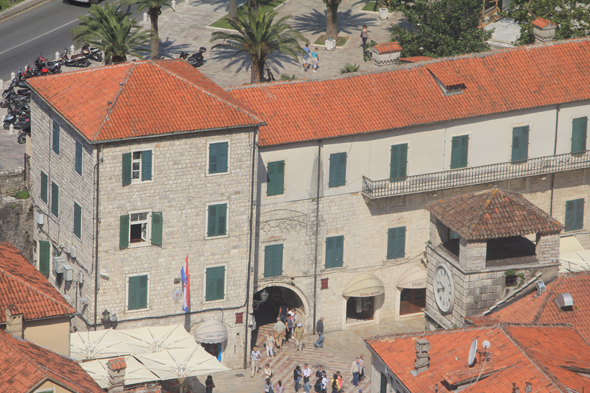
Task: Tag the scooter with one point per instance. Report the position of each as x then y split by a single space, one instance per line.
22 135
78 60
92 53
196 59
18 122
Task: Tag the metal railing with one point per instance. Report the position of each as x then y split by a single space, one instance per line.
375 189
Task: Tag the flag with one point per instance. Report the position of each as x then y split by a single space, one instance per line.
185 286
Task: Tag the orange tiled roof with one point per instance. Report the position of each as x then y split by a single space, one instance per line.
543 309
495 82
388 47
25 290
415 59
143 98
449 350
492 214
541 23
25 365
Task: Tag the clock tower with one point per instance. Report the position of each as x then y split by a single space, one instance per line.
479 241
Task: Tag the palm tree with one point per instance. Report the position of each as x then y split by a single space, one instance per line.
348 68
112 31
258 35
332 15
154 8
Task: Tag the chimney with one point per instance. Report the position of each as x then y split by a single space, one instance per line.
543 30
422 357
528 387
116 368
14 322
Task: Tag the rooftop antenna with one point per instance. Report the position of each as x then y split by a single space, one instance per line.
472 352
485 344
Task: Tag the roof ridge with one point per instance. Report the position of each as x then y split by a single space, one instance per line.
17 278
114 102
200 88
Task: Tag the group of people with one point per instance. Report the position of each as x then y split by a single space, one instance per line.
303 377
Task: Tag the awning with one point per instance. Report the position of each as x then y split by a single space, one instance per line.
414 277
365 285
211 332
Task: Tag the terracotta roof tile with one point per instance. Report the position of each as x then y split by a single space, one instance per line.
495 82
492 214
143 98
388 47
24 365
25 290
415 59
541 23
117 364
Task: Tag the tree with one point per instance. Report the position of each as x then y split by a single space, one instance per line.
253 6
112 31
349 68
332 15
572 18
441 28
233 9
259 35
154 8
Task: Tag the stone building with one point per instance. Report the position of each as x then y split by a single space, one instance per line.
139 167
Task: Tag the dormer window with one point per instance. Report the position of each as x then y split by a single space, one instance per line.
449 81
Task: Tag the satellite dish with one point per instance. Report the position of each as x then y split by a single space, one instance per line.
486 344
472 352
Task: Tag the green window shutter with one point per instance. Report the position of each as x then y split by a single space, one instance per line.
44 255
126 169
218 157
215 283
54 199
157 228
211 220
334 251
142 293
275 182
459 151
574 215
396 243
329 252
579 208
337 170
399 162
520 143
44 187
55 137
146 165
78 157
77 220
579 130
132 292
217 222
124 231
273 260
383 388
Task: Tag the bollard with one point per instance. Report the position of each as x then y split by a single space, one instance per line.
174 5
72 49
145 17
11 129
56 55
12 75
1 85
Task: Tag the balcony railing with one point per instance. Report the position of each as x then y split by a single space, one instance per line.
474 175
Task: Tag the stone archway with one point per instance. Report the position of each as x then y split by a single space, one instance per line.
278 292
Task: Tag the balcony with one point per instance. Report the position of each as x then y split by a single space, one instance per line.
375 189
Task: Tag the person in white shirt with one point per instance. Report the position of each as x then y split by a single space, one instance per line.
255 358
306 378
267 371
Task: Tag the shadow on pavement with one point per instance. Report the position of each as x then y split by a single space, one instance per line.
314 22
170 50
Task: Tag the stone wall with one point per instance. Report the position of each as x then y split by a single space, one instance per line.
472 254
11 181
16 226
547 248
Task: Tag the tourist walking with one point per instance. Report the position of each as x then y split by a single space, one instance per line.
209 385
255 358
362 367
355 370
268 386
306 378
319 328
270 345
364 36
319 372
297 378
340 380
279 388
279 332
325 383
306 57
315 59
335 385
267 371
299 334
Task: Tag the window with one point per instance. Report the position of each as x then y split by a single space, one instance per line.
56 137
334 251
54 199
399 162
239 318
218 157
520 143
275 182
217 220
383 387
459 151
579 129
137 292
324 282
44 187
79 158
44 256
574 215
215 283
140 228
137 167
396 243
273 260
77 220
337 170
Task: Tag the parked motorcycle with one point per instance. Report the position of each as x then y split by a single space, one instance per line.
196 59
92 53
22 135
78 60
19 123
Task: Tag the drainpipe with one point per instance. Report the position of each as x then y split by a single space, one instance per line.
317 229
252 185
554 154
96 270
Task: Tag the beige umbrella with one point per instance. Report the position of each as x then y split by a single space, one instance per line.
97 345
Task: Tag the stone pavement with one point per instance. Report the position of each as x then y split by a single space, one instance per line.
11 152
187 29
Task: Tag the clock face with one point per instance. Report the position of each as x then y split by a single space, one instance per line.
443 289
